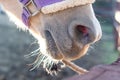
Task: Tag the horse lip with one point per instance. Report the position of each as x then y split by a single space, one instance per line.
52 47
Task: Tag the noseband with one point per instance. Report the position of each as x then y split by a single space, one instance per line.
48 6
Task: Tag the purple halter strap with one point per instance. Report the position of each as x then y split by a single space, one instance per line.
38 4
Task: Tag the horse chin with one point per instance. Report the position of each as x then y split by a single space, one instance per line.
75 52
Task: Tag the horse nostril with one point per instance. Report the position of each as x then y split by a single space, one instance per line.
82 34
81 31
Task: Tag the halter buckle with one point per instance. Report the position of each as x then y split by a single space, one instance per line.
29 10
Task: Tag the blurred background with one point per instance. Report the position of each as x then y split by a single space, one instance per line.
15 44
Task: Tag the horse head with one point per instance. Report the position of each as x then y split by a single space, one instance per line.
63 33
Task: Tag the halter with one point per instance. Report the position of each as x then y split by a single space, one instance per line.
48 6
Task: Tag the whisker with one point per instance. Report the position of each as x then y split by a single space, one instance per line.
50 65
33 43
38 61
34 53
92 47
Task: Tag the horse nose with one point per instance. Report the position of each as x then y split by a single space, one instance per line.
84 34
